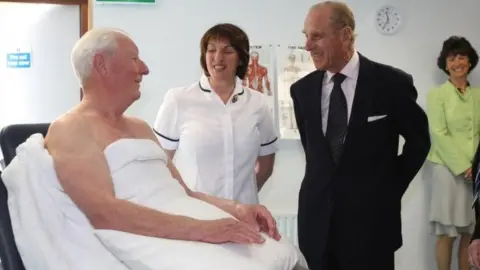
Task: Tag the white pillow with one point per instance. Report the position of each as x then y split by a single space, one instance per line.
149 253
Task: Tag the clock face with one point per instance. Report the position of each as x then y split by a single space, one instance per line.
388 20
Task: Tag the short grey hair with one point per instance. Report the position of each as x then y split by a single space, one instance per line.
100 40
342 14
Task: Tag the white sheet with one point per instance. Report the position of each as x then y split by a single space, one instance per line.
140 175
150 253
50 231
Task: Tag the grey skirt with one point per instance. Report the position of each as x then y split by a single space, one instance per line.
451 212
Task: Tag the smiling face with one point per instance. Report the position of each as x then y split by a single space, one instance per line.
224 52
221 59
125 69
458 65
327 43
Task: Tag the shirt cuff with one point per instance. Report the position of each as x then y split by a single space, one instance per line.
269 148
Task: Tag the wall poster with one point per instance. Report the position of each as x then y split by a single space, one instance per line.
259 73
293 62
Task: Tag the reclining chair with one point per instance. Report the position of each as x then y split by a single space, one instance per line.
10 138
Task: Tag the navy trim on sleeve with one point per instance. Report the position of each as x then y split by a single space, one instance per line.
265 144
165 137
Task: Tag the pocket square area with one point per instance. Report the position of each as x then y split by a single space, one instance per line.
376 117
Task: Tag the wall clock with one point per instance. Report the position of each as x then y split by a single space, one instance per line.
388 20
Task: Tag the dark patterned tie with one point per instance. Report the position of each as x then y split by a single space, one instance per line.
337 118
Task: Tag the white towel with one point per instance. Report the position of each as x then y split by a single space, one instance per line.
51 233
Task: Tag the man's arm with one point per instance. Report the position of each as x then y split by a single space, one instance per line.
266 223
298 115
412 124
476 168
261 219
84 175
226 205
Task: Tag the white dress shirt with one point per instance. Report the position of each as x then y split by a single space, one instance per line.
348 86
217 144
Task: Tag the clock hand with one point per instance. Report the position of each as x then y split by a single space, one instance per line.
388 19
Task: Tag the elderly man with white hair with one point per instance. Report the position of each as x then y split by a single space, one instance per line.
114 181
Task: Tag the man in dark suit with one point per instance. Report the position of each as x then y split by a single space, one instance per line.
350 114
474 247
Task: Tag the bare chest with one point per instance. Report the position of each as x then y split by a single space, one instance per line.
106 134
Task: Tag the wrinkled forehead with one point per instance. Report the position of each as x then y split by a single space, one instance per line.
126 44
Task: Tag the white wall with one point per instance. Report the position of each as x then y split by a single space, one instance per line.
168 35
49 88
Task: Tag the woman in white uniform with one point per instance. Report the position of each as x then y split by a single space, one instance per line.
220 134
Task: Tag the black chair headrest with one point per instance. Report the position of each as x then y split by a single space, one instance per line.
14 135
10 138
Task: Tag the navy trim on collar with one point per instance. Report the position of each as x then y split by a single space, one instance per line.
203 89
209 91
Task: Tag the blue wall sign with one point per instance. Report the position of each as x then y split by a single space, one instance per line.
19 60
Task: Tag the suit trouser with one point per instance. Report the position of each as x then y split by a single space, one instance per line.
379 261
374 260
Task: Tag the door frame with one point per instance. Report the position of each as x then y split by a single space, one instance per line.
86 12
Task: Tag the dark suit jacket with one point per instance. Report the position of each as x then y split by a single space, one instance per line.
357 204
475 171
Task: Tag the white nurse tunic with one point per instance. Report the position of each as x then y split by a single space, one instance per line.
216 144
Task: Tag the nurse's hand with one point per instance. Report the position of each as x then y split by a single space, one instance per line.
259 218
228 230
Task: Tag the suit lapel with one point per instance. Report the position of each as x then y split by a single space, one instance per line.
317 84
361 101
317 87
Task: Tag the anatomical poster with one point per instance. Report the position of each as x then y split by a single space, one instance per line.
259 72
293 62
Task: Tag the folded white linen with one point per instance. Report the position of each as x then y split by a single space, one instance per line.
150 253
140 175
51 233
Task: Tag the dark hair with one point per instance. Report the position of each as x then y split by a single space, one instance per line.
456 45
238 40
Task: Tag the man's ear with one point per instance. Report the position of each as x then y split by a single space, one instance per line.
347 34
99 64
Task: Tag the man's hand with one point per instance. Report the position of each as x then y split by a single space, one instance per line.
259 218
228 230
474 253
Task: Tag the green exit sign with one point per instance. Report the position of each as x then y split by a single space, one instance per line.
125 1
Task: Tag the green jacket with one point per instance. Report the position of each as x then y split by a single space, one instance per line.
454 121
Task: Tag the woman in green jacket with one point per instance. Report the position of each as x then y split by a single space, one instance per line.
453 109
